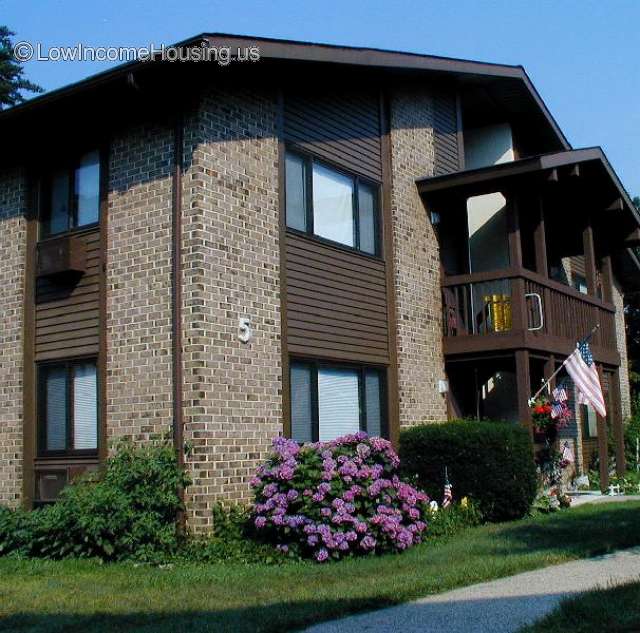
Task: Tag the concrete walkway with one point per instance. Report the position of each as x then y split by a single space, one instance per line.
500 606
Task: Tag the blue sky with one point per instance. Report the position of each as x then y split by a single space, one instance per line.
582 55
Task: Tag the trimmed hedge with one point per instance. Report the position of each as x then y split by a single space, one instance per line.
490 462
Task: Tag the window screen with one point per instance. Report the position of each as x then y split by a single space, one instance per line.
56 408
87 189
85 407
367 218
301 410
296 193
373 393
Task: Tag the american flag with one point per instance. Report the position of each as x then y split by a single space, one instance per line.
583 371
556 410
560 394
448 491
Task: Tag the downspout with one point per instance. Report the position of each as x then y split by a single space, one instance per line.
176 296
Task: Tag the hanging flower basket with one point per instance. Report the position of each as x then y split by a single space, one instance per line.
548 418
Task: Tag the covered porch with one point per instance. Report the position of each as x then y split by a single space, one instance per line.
535 253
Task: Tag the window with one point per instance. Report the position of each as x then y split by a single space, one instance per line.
331 204
71 196
589 421
328 401
68 407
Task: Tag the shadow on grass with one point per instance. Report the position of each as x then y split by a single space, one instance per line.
450 616
582 531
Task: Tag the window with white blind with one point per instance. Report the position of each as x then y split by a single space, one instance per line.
328 401
68 407
331 204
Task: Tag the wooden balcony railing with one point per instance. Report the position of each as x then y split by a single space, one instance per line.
517 307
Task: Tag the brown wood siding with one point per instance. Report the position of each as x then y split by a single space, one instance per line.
68 314
445 124
336 303
342 127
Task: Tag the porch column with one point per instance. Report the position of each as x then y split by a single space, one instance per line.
603 449
540 241
589 257
607 279
518 301
523 382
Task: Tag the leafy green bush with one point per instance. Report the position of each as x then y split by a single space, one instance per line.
128 511
453 519
490 462
631 435
231 540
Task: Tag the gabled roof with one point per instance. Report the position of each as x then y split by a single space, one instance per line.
519 87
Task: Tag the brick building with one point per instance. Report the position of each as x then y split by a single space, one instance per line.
322 240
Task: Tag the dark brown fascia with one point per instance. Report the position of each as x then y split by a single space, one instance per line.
312 52
543 162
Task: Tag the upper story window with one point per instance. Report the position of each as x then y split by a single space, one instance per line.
71 196
68 407
331 204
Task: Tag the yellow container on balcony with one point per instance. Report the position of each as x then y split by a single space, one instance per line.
499 312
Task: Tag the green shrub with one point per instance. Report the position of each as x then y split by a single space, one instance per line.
231 540
631 434
449 521
128 511
490 462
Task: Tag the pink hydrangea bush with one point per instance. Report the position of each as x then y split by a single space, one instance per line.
333 499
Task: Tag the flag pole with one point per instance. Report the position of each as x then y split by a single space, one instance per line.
586 339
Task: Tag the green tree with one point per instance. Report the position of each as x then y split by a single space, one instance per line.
12 81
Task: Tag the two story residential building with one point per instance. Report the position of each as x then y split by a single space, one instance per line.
324 240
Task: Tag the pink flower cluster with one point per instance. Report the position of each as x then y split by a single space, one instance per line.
333 499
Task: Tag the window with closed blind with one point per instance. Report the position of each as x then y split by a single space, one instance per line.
68 408
328 401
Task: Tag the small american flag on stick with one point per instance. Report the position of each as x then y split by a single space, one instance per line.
560 394
448 490
583 371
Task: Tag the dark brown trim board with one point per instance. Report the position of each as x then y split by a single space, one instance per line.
393 403
176 286
29 369
102 351
282 244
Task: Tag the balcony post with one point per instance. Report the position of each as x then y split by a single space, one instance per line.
540 241
607 279
518 301
589 257
523 383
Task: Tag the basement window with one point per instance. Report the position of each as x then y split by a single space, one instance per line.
328 401
68 408
71 196
331 204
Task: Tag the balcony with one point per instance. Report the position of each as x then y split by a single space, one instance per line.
518 309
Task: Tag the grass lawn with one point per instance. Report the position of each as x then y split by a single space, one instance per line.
39 596
614 610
